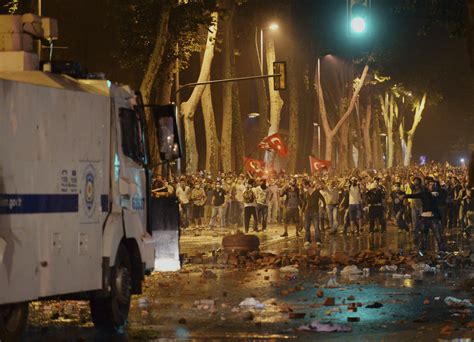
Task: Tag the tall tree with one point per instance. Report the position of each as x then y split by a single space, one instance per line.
188 108
227 103
419 107
329 132
276 102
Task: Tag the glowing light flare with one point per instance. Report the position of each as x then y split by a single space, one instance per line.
358 24
274 27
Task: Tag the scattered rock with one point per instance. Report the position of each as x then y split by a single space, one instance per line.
296 315
248 316
329 301
374 305
208 274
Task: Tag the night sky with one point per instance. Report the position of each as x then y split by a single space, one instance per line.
439 60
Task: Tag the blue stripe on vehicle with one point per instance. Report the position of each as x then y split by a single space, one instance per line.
38 204
104 202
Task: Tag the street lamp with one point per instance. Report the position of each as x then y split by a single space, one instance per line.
315 124
253 115
272 27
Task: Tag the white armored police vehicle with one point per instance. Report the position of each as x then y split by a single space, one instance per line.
75 186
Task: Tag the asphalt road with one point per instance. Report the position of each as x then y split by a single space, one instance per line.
201 302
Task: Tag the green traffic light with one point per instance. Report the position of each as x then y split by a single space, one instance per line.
358 24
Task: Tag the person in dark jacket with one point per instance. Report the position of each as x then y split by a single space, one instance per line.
312 203
291 206
431 215
398 206
375 201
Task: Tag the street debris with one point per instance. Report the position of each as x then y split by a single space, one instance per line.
289 269
317 326
374 305
401 276
422 267
353 319
388 268
329 301
351 270
457 303
209 274
205 304
296 315
252 303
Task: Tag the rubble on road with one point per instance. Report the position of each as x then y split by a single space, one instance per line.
252 303
351 270
457 303
381 260
317 326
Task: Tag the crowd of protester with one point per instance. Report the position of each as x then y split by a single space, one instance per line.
422 200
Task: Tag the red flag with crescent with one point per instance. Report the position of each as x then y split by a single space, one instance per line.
274 142
318 164
254 166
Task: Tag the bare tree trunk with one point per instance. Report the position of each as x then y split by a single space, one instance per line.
330 133
343 163
189 107
387 104
212 141
366 122
377 146
237 133
157 54
276 103
165 85
228 53
150 77
419 109
294 109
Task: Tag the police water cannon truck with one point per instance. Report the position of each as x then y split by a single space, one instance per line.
76 217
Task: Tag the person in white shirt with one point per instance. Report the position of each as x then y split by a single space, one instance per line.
183 192
250 208
273 202
263 195
355 206
331 195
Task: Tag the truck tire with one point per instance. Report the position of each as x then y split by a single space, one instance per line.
240 243
111 313
13 319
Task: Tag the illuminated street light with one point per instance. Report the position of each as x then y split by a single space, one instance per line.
358 25
253 115
274 27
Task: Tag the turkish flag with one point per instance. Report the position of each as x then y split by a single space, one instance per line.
318 164
254 166
275 142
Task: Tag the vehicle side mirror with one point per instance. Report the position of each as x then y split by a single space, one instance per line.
166 123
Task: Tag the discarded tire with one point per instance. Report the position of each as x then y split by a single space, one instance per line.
240 243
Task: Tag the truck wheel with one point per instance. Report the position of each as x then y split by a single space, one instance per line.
13 319
111 313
